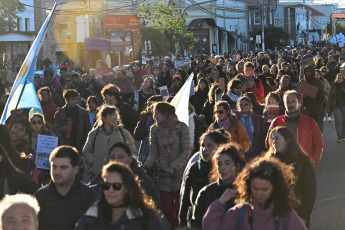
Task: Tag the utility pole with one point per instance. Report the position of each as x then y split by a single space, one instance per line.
307 27
263 18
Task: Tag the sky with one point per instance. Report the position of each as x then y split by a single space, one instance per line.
340 2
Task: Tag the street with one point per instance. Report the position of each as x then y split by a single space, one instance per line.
329 209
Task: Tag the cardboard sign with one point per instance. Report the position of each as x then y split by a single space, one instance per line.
45 145
164 91
308 90
222 84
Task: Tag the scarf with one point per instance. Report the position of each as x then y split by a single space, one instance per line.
224 124
166 128
234 97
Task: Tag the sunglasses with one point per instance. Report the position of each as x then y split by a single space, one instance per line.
44 93
36 122
239 87
261 172
244 104
116 186
219 112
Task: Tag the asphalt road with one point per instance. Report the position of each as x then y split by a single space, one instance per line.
329 209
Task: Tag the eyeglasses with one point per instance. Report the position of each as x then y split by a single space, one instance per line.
258 172
219 111
34 122
116 186
244 104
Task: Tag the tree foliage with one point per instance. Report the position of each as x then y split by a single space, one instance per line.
8 14
274 37
338 28
165 20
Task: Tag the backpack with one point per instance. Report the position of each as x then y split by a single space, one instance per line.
283 220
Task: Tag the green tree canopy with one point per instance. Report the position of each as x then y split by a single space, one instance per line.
8 14
168 21
338 28
274 37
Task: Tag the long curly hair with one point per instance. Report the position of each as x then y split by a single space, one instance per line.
136 199
230 149
279 174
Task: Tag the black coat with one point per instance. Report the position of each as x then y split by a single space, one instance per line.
198 100
62 212
17 182
128 116
206 196
196 177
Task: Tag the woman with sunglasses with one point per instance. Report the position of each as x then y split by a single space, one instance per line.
283 145
227 162
225 119
38 127
264 199
251 122
107 131
122 205
234 92
196 173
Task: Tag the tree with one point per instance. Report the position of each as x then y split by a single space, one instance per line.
8 14
274 37
168 21
338 28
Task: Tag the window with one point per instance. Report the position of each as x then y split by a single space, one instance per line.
27 24
257 18
18 24
250 17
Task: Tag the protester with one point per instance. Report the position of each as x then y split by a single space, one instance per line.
227 162
336 104
251 122
264 199
283 145
108 131
72 121
111 96
196 174
169 147
12 179
65 198
228 121
199 98
47 104
303 128
19 211
122 204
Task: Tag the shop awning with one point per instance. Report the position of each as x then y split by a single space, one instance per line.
97 44
233 34
197 23
243 39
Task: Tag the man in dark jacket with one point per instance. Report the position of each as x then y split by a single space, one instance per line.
64 200
72 121
313 105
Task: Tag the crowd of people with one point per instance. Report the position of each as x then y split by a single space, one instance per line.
245 160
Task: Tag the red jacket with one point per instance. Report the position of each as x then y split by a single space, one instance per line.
308 136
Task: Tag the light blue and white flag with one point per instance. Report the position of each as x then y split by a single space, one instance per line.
27 98
181 101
